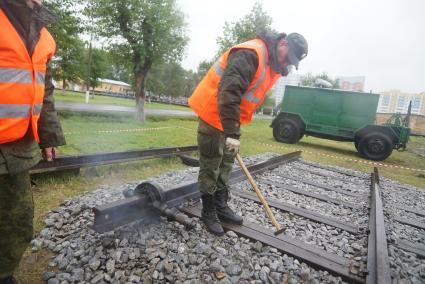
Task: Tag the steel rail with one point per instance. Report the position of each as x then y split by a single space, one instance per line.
412 210
310 254
76 162
194 162
110 216
318 196
378 262
308 214
327 176
418 225
137 208
331 169
415 248
318 185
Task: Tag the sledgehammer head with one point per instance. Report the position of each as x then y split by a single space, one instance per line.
280 231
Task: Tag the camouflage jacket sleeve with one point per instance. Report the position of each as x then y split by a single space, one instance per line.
49 128
240 71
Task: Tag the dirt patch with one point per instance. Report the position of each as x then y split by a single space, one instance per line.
32 265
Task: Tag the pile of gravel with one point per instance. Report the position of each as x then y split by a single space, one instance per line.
405 266
164 252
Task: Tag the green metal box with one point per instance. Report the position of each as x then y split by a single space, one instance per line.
329 111
339 115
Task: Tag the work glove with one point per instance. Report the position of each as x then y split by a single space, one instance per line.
232 144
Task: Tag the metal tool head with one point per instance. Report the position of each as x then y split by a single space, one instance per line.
152 190
280 231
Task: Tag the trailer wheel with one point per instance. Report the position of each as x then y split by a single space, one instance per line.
301 128
375 146
287 131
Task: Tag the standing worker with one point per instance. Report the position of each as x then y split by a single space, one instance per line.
228 95
28 121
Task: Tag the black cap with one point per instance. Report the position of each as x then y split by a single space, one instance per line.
297 48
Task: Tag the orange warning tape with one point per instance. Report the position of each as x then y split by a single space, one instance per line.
123 130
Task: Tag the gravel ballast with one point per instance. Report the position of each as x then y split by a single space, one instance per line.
165 252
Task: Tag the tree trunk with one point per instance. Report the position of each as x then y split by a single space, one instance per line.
63 86
140 96
140 109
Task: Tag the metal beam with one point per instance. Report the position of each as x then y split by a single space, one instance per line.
318 185
124 211
318 196
412 210
76 162
310 254
418 225
327 176
335 170
415 248
378 262
308 214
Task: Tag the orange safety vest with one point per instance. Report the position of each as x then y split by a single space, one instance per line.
204 99
21 81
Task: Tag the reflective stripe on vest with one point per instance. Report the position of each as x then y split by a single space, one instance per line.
40 77
249 94
14 75
19 111
21 76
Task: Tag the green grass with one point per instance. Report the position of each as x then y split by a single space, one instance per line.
76 97
340 154
82 132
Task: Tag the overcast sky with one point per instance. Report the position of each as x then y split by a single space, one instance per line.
383 40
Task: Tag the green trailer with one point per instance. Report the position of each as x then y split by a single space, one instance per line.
339 115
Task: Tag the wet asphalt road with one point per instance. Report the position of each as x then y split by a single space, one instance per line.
77 107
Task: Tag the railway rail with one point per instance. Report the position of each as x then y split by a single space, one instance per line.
378 269
65 163
148 201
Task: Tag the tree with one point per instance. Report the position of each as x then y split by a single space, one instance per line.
309 80
203 68
99 67
191 81
67 63
119 67
171 79
144 32
166 79
244 29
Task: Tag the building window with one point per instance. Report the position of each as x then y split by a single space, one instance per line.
416 105
384 103
401 101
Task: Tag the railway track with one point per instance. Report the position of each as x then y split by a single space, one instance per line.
66 163
375 270
337 221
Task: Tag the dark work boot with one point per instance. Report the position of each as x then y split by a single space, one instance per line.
8 280
209 215
223 210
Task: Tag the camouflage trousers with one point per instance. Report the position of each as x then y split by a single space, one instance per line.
16 220
215 160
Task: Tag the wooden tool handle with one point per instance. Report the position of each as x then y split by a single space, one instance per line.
259 194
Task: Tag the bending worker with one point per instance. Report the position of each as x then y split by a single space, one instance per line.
228 95
28 121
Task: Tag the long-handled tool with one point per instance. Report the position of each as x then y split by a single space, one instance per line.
269 212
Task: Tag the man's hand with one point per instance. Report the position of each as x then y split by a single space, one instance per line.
232 144
49 154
